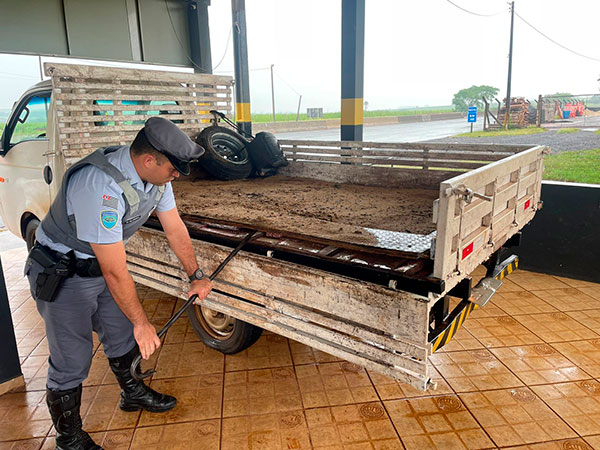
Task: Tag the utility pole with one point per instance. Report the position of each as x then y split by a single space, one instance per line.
273 94
510 49
298 113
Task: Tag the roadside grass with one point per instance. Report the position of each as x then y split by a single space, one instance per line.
509 132
568 130
597 132
582 166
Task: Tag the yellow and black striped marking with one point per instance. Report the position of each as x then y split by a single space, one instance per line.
464 308
444 337
510 268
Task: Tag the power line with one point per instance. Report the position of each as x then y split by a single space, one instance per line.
288 84
474 13
226 48
554 42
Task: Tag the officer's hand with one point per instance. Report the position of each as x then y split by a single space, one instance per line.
201 288
146 338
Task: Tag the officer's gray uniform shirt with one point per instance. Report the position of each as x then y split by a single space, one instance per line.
96 200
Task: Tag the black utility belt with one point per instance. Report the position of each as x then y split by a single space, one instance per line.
65 264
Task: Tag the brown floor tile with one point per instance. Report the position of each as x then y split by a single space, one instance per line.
501 331
593 441
332 384
29 444
539 364
438 422
114 440
585 354
391 389
576 283
188 359
261 392
198 398
521 302
203 435
303 354
100 409
567 444
489 310
516 417
463 340
24 415
271 350
532 281
509 286
474 370
590 318
352 427
556 327
578 404
180 332
593 291
568 299
279 431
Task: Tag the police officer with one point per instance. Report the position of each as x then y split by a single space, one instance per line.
78 275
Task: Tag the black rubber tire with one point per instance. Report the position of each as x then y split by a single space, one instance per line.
30 230
226 157
242 336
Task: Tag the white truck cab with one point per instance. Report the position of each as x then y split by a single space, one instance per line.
25 176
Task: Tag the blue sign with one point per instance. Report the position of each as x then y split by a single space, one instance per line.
472 114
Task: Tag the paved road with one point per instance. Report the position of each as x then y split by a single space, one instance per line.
401 132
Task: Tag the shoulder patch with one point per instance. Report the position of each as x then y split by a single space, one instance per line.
109 219
111 202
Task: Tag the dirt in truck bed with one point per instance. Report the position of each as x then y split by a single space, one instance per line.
322 209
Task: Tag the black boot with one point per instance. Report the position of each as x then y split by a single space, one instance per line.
135 394
64 409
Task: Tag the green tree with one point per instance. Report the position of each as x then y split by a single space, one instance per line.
472 97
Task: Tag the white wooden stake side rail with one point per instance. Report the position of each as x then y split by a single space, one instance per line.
100 106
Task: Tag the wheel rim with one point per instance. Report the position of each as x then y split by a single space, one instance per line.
229 148
220 326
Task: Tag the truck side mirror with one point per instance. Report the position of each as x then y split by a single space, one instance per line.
22 118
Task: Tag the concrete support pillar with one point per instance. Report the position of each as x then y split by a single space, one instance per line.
353 61
197 12
240 52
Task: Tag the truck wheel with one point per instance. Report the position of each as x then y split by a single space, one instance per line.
226 156
222 332
30 230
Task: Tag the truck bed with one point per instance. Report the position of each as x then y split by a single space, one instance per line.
340 212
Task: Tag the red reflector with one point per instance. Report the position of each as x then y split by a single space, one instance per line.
467 250
527 203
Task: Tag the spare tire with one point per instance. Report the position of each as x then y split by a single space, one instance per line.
226 156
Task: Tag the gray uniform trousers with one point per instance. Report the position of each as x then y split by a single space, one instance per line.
81 306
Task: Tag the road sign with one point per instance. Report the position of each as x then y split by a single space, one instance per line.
472 114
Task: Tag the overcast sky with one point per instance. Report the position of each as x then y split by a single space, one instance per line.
417 53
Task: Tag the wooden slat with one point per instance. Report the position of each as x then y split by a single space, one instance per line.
139 97
90 107
143 88
132 75
136 117
407 145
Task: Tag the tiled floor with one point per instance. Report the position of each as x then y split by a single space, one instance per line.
523 373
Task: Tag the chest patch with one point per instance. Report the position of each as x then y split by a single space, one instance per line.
109 219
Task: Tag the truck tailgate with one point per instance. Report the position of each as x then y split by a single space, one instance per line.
479 210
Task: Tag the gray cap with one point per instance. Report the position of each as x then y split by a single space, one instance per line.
168 139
